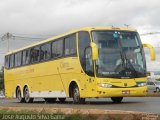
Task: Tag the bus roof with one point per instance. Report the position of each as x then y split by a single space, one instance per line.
71 32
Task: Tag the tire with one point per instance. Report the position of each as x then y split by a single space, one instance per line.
157 90
50 100
62 99
76 96
19 96
117 99
27 98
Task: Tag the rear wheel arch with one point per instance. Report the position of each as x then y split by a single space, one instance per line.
25 87
18 87
19 94
26 92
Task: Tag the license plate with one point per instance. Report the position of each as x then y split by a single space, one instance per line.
125 91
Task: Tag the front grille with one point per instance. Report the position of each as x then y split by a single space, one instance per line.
113 86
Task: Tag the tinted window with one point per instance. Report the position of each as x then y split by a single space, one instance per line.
70 45
83 43
26 57
57 48
18 59
7 62
35 54
11 62
45 53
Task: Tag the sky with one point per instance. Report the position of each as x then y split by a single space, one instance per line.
45 18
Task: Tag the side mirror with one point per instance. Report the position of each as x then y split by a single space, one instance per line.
94 51
152 51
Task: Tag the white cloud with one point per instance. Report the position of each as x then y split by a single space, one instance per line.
50 17
39 16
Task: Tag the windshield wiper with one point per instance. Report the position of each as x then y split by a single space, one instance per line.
123 59
126 63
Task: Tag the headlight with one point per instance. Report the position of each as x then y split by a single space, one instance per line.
141 84
105 85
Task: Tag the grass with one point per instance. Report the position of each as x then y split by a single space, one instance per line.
42 115
33 115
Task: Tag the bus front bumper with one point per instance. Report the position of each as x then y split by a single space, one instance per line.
121 92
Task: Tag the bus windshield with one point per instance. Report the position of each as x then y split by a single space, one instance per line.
120 54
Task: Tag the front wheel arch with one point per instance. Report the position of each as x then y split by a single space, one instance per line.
71 87
75 87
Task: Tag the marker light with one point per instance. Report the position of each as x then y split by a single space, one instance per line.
104 85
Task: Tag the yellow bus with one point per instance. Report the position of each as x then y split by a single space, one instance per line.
99 62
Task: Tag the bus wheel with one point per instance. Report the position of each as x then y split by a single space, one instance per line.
62 99
116 99
50 100
76 95
27 96
18 95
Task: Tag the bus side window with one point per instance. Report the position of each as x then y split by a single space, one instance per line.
70 45
35 54
18 59
57 48
45 52
25 57
7 62
59 51
11 61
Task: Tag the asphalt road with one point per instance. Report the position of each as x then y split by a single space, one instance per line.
138 104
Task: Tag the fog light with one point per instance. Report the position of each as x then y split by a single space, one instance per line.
141 84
